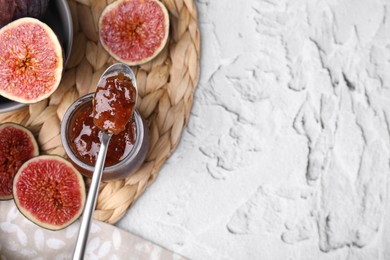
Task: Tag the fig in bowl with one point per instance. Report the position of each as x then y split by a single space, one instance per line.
37 70
31 61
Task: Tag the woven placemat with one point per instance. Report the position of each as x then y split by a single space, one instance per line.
166 87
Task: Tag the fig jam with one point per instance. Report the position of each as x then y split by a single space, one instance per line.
114 103
84 138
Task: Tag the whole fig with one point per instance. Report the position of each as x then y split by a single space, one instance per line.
7 11
37 8
15 9
30 8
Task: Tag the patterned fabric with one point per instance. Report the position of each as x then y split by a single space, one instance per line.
22 239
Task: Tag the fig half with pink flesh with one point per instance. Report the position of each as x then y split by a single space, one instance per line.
49 191
31 61
134 31
17 145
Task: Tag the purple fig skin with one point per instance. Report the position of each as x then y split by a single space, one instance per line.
37 8
14 9
44 6
21 9
6 12
30 8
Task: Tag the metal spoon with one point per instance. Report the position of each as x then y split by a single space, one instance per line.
97 174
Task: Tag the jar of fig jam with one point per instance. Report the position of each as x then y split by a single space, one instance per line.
81 141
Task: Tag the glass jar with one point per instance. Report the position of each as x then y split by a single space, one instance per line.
122 168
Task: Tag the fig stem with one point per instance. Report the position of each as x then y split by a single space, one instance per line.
91 199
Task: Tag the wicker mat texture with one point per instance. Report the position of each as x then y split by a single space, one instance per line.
166 87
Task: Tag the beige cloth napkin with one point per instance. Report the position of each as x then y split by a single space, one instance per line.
22 239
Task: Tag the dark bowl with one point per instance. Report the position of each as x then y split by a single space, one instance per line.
59 18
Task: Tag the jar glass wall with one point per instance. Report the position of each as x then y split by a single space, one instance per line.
126 165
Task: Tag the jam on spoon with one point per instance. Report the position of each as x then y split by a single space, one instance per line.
111 111
114 104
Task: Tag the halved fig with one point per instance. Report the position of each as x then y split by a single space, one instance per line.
134 31
49 191
31 61
17 145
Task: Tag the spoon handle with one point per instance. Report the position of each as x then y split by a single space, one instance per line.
90 204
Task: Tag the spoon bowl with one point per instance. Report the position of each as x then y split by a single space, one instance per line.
114 70
115 99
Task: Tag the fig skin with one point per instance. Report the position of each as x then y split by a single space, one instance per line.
15 9
6 11
22 147
49 191
30 8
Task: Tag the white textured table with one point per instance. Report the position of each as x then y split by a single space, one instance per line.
287 151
